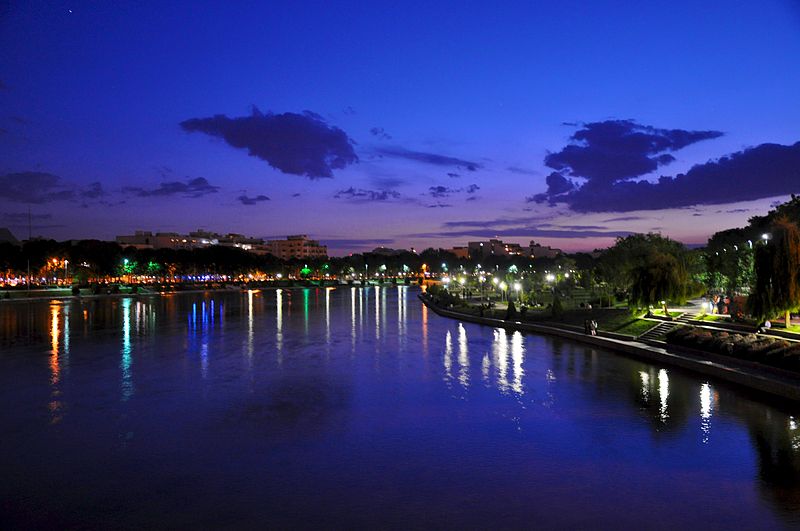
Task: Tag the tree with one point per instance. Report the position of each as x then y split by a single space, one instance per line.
777 269
656 280
622 265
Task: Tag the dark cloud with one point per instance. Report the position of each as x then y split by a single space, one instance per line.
453 175
617 150
298 144
349 111
22 217
472 198
93 191
444 191
522 171
767 170
623 218
34 188
381 133
296 194
196 187
523 232
387 183
246 200
441 191
428 158
356 243
361 195
439 205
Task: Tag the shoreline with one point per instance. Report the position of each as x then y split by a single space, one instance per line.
769 380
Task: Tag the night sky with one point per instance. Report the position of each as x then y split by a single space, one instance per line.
398 123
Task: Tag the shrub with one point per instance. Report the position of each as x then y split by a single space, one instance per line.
766 350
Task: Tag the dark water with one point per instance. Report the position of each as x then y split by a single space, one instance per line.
360 408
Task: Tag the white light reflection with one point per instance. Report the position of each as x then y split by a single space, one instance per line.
517 359
401 314
353 318
500 354
328 317
663 393
377 312
463 357
448 357
126 360
279 323
706 406
645 385
250 330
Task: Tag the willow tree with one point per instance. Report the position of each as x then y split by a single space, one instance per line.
777 268
658 279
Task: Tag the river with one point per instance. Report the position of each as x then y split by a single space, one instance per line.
359 407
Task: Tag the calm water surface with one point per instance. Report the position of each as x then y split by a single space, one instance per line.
358 407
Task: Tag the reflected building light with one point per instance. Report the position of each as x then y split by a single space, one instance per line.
305 312
500 352
279 323
54 405
126 359
517 358
448 358
204 359
401 314
706 406
353 318
377 312
645 385
424 330
328 318
463 356
66 336
250 326
663 393
485 366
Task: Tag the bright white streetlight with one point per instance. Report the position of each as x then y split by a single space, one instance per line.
517 286
550 277
495 281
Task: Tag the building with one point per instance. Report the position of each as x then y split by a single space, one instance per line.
542 251
297 246
142 239
494 247
459 252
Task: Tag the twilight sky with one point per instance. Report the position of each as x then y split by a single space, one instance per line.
398 123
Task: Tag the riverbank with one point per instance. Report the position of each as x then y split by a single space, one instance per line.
775 382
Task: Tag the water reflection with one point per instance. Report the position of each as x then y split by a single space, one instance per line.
663 393
463 356
151 352
706 407
279 323
517 357
126 359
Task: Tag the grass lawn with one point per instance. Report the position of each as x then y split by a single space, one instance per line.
661 313
636 327
712 317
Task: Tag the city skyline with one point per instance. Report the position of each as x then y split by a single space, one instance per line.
398 127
